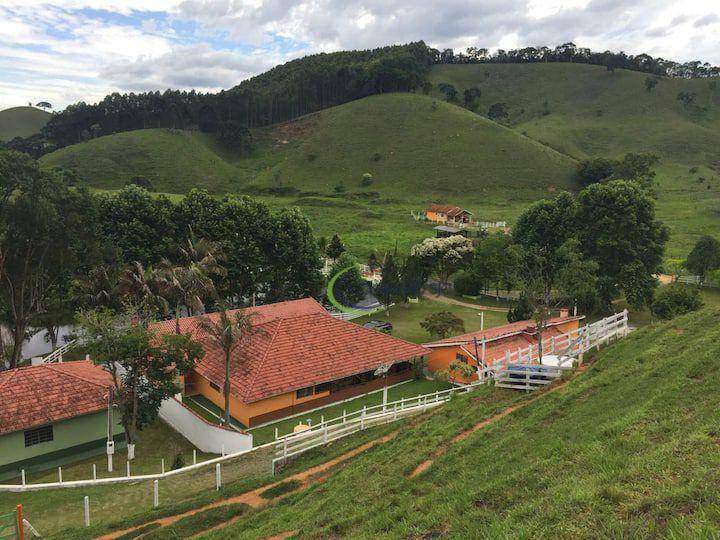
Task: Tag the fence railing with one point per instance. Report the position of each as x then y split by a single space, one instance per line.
293 444
57 354
566 346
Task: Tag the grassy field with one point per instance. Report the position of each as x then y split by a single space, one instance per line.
406 318
629 449
21 122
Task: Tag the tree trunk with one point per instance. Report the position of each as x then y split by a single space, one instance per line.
226 389
18 337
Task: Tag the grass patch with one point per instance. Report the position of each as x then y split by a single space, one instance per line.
280 489
198 522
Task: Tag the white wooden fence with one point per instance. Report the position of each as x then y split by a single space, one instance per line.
293 444
57 354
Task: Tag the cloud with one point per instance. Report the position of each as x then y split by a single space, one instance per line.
70 50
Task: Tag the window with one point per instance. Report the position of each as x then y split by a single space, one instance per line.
461 358
320 388
214 387
304 392
38 435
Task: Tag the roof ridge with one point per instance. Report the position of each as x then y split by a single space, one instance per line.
258 368
76 376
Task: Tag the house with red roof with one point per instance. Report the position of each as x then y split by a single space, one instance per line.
467 348
53 413
448 214
298 358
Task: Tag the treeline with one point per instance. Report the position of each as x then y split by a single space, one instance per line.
62 249
569 52
287 91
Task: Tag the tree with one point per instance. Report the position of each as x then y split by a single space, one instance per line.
491 259
141 291
335 248
521 311
390 287
230 331
444 256
594 170
467 283
442 324
651 83
617 228
674 300
449 90
470 96
144 366
350 287
498 112
704 257
236 137
686 98
48 235
636 167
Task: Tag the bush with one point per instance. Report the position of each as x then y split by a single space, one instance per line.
467 283
522 311
675 300
140 181
367 179
340 188
178 462
376 156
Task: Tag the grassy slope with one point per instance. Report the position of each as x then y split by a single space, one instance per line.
630 449
21 122
593 112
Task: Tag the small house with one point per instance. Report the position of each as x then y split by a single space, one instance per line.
466 348
448 214
298 358
52 414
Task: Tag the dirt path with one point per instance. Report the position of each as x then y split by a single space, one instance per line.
253 498
448 300
425 465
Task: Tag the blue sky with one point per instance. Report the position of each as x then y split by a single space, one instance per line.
65 51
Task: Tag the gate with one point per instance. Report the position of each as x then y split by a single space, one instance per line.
11 524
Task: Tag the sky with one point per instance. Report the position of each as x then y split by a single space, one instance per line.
65 51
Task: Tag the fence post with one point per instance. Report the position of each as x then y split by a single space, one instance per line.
344 416
22 476
395 407
86 502
276 434
222 450
402 403
94 472
60 475
156 494
325 433
218 476
362 417
20 524
194 456
128 468
162 465
285 448
437 396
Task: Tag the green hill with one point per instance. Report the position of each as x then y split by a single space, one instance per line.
21 122
413 147
629 449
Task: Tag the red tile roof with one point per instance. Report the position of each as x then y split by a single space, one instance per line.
447 209
39 395
500 332
298 344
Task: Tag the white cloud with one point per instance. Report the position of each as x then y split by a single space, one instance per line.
68 50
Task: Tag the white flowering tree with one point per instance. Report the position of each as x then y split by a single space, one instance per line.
444 256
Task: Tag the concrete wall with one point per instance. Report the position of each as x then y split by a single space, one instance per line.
205 436
74 432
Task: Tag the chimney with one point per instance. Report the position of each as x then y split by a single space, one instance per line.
564 312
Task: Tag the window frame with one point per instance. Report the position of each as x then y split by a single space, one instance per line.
39 435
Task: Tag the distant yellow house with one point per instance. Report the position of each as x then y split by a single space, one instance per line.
300 358
447 213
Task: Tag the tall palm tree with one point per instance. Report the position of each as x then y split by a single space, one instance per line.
141 287
229 331
191 284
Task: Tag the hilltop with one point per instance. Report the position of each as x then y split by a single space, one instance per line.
21 122
627 449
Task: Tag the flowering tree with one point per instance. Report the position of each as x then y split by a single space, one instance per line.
444 256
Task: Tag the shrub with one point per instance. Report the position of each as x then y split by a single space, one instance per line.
178 462
280 489
376 156
522 311
311 157
675 300
467 283
367 179
693 170
140 181
340 188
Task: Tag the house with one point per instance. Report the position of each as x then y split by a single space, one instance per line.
299 357
52 414
510 337
447 213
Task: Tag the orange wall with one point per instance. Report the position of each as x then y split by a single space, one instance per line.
434 216
244 412
441 357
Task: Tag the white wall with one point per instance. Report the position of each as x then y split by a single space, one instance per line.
205 436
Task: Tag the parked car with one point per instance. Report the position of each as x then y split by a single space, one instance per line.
381 326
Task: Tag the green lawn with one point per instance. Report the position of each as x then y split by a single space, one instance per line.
264 434
406 318
628 450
